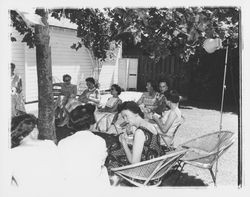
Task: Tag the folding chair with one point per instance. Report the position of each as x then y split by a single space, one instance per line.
150 172
106 122
204 151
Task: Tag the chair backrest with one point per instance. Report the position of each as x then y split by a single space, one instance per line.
151 169
57 90
208 146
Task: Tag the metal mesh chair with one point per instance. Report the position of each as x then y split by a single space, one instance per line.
204 151
150 172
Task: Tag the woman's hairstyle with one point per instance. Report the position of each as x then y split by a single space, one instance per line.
13 66
82 117
172 96
152 84
91 80
66 76
117 88
17 131
131 106
163 81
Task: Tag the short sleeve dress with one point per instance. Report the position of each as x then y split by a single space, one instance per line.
152 149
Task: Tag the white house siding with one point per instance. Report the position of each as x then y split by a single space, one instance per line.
64 59
106 78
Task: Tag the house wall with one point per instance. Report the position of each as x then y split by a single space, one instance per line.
64 60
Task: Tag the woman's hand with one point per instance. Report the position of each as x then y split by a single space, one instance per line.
123 139
155 117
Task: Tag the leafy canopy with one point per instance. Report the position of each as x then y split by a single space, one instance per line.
156 31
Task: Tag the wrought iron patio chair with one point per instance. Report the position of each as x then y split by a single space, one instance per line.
150 172
205 150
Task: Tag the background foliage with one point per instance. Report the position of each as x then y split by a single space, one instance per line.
159 32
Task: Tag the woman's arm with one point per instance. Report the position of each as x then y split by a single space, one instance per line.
83 97
19 86
165 127
97 98
134 156
140 101
113 108
74 92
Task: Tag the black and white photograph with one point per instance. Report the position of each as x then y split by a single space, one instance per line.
104 98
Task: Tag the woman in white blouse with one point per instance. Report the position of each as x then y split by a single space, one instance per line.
105 115
170 119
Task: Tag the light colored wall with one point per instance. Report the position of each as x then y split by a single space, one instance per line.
64 59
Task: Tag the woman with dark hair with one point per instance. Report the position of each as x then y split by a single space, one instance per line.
170 119
91 94
145 141
80 118
21 127
113 102
34 162
106 115
148 100
17 102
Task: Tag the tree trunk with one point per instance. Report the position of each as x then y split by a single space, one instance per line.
46 116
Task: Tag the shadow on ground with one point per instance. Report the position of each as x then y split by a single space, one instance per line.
174 179
177 179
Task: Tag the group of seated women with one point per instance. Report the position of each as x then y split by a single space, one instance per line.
67 97
79 142
159 108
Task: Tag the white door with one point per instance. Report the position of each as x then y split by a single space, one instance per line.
132 74
127 73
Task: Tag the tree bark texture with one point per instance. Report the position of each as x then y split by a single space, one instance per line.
46 116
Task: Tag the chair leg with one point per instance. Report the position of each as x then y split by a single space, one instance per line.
181 165
213 176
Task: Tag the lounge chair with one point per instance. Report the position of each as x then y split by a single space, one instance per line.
150 172
204 151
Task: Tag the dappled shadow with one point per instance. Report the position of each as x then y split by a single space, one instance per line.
208 105
173 178
176 179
